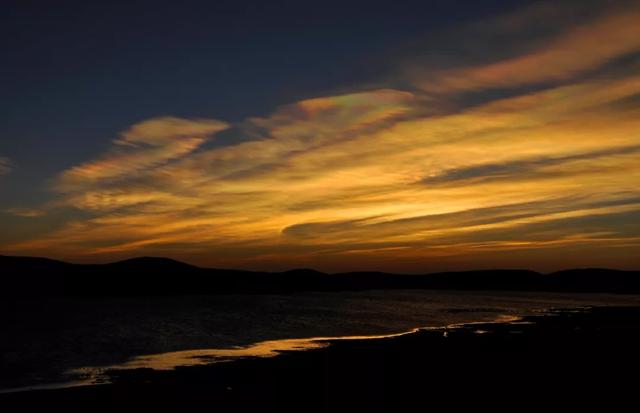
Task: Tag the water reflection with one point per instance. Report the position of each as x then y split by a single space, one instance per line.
186 358
270 348
96 375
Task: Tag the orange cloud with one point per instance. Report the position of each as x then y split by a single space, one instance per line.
25 212
145 145
381 174
583 48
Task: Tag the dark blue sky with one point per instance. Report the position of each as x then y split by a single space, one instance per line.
75 73
276 134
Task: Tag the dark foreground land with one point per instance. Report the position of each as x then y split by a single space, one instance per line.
562 360
30 277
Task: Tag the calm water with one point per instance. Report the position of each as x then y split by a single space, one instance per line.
62 342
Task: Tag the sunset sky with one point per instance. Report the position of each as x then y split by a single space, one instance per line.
399 136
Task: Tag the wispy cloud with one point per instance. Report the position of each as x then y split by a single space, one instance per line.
528 169
25 212
383 174
145 145
589 45
5 166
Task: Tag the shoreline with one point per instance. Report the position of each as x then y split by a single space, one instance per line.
44 339
564 357
99 375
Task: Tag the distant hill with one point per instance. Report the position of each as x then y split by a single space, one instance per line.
30 276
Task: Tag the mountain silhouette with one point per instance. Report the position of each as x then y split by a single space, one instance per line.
33 276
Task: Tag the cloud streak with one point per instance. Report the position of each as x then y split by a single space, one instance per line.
588 46
5 166
384 175
145 145
25 212
526 169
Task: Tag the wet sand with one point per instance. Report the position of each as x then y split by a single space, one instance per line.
557 360
44 341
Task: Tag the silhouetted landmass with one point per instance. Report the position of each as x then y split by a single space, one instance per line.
560 361
29 276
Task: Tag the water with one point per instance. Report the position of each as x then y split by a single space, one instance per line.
58 343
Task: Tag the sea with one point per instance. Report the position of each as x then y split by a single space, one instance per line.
64 342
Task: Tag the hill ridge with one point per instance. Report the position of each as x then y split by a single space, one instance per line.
29 276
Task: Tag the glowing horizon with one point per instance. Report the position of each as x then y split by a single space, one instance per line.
528 160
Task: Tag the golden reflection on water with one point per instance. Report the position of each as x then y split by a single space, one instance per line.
185 358
269 348
93 375
171 360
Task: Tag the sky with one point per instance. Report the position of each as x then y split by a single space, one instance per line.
411 136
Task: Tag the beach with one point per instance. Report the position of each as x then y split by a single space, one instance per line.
571 358
56 342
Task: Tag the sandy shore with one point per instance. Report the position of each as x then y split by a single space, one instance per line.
43 341
562 358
